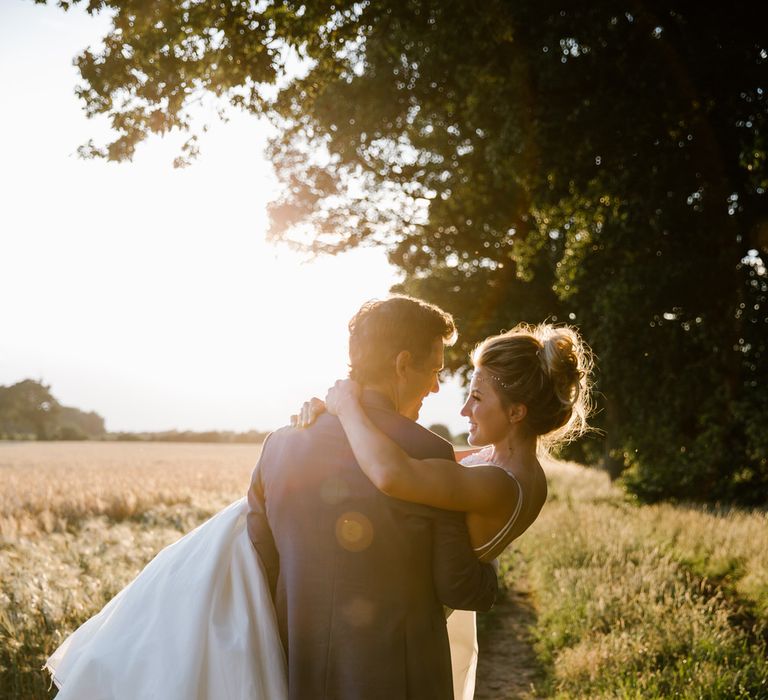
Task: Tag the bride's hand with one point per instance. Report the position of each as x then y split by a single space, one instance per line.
308 414
344 392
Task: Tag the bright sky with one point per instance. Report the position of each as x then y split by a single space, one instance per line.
148 294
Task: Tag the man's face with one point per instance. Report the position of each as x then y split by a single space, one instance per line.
420 380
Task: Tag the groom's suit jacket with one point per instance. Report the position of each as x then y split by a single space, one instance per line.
360 579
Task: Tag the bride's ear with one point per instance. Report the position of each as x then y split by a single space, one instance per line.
402 362
517 412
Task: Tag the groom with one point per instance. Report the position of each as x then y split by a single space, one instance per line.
359 579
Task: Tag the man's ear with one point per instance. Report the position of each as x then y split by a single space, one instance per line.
517 412
403 361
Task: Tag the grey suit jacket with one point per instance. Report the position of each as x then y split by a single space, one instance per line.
359 579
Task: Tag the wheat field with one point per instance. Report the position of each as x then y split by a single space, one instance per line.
79 520
632 601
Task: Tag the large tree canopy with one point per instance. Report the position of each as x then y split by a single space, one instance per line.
602 164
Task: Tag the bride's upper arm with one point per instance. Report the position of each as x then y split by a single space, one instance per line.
483 490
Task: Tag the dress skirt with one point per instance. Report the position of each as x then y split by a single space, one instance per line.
197 623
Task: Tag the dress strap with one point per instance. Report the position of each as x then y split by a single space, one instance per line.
503 534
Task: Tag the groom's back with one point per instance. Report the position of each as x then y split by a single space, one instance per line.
355 598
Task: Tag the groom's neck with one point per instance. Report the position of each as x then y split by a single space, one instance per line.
387 389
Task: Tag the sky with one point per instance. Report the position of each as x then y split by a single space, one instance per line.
149 294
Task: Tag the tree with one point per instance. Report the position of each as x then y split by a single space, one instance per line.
28 408
442 430
602 164
74 424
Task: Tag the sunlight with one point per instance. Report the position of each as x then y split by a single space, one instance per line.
149 294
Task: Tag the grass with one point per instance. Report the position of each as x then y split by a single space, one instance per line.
645 601
79 520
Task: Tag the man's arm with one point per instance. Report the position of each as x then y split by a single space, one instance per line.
462 581
258 527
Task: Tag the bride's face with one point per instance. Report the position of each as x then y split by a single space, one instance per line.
489 421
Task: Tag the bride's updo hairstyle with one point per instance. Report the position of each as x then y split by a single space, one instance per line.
547 368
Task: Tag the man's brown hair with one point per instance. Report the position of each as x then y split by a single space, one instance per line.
381 329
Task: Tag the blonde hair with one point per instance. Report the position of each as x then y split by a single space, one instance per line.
548 369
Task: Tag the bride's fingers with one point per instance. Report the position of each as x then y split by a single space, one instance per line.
310 410
316 407
330 401
342 390
306 415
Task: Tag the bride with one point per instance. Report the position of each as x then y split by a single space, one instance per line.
530 385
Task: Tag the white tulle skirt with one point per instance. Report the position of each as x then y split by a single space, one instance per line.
198 623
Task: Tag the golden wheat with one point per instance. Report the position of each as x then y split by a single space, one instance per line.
79 520
48 487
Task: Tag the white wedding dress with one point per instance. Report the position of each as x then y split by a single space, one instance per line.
198 624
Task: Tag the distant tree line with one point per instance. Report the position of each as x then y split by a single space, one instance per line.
28 411
249 436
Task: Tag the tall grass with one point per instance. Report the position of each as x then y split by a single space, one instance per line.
79 520
646 602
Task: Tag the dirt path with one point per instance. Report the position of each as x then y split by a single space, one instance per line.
507 667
